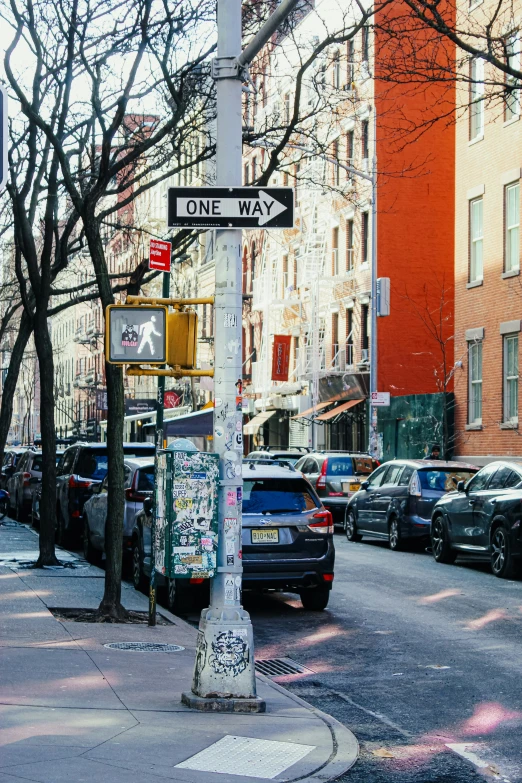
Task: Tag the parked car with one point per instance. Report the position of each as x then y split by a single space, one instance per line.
287 540
336 476
481 519
83 466
139 485
22 484
288 455
9 465
396 501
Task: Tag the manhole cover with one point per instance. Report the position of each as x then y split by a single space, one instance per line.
276 667
144 647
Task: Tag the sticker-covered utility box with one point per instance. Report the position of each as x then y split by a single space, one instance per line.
186 495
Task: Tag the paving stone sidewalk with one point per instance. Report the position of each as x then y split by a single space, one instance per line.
72 709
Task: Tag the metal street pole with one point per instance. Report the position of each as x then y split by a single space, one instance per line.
159 445
224 666
372 439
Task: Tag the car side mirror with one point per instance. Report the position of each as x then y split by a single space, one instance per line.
96 490
461 486
147 506
365 485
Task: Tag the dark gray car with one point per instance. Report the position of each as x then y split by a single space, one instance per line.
397 500
287 541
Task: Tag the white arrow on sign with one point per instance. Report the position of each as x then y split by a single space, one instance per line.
265 207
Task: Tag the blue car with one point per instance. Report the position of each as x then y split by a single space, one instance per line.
396 502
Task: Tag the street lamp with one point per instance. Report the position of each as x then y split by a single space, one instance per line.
372 179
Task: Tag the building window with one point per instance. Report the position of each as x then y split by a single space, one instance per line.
512 223
350 69
511 378
365 219
335 251
512 108
365 342
246 174
365 44
476 238
335 339
475 383
365 139
295 273
287 109
254 169
336 170
286 281
476 98
336 71
349 245
349 337
349 153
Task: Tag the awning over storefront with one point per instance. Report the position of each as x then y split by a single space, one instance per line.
339 409
309 411
254 425
199 424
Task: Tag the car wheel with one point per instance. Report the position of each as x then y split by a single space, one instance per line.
34 521
394 535
91 554
350 526
138 577
440 542
177 596
503 564
316 599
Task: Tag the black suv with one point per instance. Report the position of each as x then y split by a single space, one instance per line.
336 476
80 468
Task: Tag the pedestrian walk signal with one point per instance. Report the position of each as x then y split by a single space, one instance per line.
136 335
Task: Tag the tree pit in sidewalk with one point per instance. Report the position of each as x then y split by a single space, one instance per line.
80 615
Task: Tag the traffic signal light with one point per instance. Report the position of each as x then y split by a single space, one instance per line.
136 334
182 339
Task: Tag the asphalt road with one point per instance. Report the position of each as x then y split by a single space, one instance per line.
412 656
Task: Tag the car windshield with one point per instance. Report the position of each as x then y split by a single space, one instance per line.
443 480
277 496
289 458
37 463
144 451
92 464
146 479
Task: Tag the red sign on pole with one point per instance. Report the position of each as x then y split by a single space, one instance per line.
281 357
171 399
159 255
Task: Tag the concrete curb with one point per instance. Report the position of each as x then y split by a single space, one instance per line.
345 746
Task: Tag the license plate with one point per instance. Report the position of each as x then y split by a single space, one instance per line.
265 536
351 487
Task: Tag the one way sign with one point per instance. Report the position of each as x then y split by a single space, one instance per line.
231 207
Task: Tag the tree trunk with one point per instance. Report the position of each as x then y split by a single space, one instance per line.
110 607
8 391
44 350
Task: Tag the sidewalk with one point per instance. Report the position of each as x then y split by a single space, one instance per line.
74 710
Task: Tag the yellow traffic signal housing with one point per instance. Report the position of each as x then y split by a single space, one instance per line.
182 339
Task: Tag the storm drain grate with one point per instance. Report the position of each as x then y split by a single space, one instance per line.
144 647
276 667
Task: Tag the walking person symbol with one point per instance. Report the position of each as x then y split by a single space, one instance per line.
146 331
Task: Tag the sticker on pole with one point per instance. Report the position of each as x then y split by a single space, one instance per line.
380 399
230 207
136 334
160 255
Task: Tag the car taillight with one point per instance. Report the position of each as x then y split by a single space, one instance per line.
131 494
324 523
26 477
321 481
328 577
196 580
76 482
415 486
